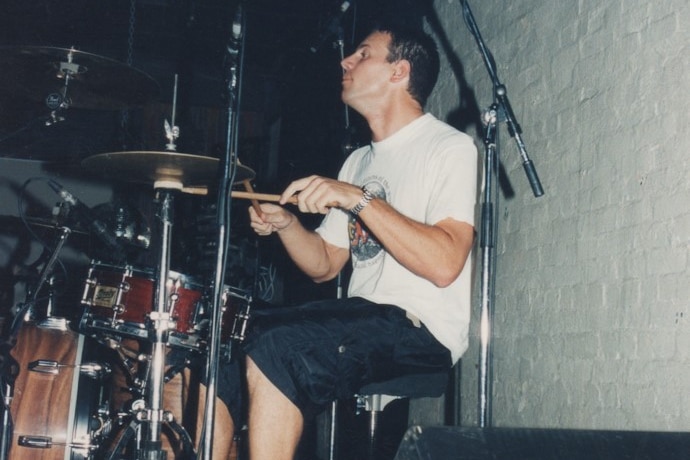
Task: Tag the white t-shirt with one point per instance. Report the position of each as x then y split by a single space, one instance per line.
428 172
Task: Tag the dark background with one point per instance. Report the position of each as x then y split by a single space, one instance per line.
291 120
282 78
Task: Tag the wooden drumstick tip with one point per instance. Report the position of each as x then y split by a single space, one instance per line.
255 203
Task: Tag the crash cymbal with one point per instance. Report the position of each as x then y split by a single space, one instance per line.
190 173
85 80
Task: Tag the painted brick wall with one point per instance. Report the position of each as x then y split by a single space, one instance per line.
592 318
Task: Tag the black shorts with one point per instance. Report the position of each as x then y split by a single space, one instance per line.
327 350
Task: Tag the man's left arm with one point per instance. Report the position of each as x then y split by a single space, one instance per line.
436 252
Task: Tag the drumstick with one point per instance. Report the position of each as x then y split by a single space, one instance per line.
255 202
260 196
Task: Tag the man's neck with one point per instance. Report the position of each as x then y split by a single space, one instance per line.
386 123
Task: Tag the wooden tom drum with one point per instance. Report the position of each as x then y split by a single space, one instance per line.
60 407
118 300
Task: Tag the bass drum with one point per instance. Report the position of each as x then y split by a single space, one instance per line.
60 408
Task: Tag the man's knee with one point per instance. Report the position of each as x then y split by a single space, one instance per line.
254 374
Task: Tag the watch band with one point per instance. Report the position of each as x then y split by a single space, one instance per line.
367 196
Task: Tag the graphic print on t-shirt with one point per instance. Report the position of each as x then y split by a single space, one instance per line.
365 248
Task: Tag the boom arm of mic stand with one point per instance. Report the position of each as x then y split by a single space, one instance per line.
501 94
515 132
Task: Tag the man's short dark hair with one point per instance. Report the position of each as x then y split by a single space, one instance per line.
420 50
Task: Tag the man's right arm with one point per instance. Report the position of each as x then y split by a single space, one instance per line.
319 260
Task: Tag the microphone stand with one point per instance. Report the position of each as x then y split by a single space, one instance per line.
500 108
228 169
332 440
347 147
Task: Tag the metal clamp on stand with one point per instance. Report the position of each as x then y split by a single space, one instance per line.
374 404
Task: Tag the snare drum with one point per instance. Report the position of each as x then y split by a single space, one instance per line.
119 300
60 407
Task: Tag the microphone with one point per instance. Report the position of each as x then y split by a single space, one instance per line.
235 42
84 214
331 28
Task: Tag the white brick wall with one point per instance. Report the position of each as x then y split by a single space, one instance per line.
592 314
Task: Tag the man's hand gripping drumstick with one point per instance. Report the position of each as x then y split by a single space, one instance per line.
313 194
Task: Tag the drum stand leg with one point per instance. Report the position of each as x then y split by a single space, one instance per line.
123 438
128 433
6 423
132 419
153 415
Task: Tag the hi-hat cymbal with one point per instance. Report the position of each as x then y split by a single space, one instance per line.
163 169
87 80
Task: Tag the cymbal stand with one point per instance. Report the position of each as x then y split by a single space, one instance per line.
160 320
160 316
150 410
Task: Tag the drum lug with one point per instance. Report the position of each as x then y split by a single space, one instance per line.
174 297
93 370
35 442
45 366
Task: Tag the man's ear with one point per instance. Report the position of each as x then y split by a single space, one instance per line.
401 70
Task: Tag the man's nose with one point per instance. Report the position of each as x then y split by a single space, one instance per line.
346 63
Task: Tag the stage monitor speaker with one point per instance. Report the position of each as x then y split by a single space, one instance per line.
457 443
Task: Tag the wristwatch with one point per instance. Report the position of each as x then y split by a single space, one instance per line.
367 196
